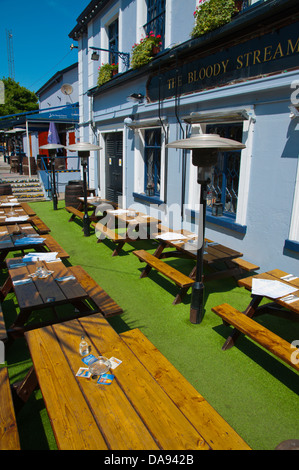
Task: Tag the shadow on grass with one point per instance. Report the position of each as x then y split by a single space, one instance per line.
262 357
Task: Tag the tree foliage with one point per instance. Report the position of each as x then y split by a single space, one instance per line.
18 99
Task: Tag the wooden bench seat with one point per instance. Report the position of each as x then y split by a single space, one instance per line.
246 265
53 246
75 213
180 279
107 306
258 333
27 209
40 226
211 426
9 436
3 332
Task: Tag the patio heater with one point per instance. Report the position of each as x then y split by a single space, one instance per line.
205 149
52 149
84 149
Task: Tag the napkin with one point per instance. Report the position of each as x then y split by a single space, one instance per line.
21 281
41 256
28 241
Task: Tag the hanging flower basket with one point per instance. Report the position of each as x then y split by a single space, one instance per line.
106 72
145 50
211 15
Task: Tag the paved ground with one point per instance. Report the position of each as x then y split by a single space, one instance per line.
5 173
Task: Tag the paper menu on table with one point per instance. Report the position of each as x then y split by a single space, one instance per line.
272 289
171 236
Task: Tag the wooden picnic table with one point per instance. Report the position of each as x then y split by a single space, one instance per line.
125 226
23 236
135 412
35 293
20 212
184 243
283 306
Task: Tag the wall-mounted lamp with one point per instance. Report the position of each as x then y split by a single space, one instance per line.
135 98
125 56
95 56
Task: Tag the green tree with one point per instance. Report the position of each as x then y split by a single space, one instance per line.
17 99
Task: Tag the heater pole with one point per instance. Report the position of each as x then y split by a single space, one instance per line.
197 298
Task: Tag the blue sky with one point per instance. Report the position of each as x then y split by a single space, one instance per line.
41 45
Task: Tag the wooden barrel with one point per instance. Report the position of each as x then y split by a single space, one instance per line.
73 190
5 189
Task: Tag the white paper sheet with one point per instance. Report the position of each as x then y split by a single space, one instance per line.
171 236
119 211
268 288
17 219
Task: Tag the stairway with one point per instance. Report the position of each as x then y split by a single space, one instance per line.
23 187
27 189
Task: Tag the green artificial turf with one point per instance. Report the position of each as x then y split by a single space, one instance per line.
255 392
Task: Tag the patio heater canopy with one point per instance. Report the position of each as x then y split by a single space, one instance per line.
83 147
206 141
52 147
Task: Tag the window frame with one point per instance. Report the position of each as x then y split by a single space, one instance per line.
156 23
156 149
139 163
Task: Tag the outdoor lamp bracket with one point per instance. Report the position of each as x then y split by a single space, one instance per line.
205 149
124 56
84 149
52 149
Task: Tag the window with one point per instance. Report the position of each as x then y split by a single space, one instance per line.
156 18
225 180
152 160
113 41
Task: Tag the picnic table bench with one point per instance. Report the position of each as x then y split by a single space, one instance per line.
136 225
212 427
107 306
9 436
92 205
39 225
11 240
133 412
258 333
185 243
286 306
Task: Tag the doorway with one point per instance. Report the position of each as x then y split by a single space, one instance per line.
114 165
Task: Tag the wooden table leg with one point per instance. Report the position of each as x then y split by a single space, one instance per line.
6 288
157 254
22 390
249 312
